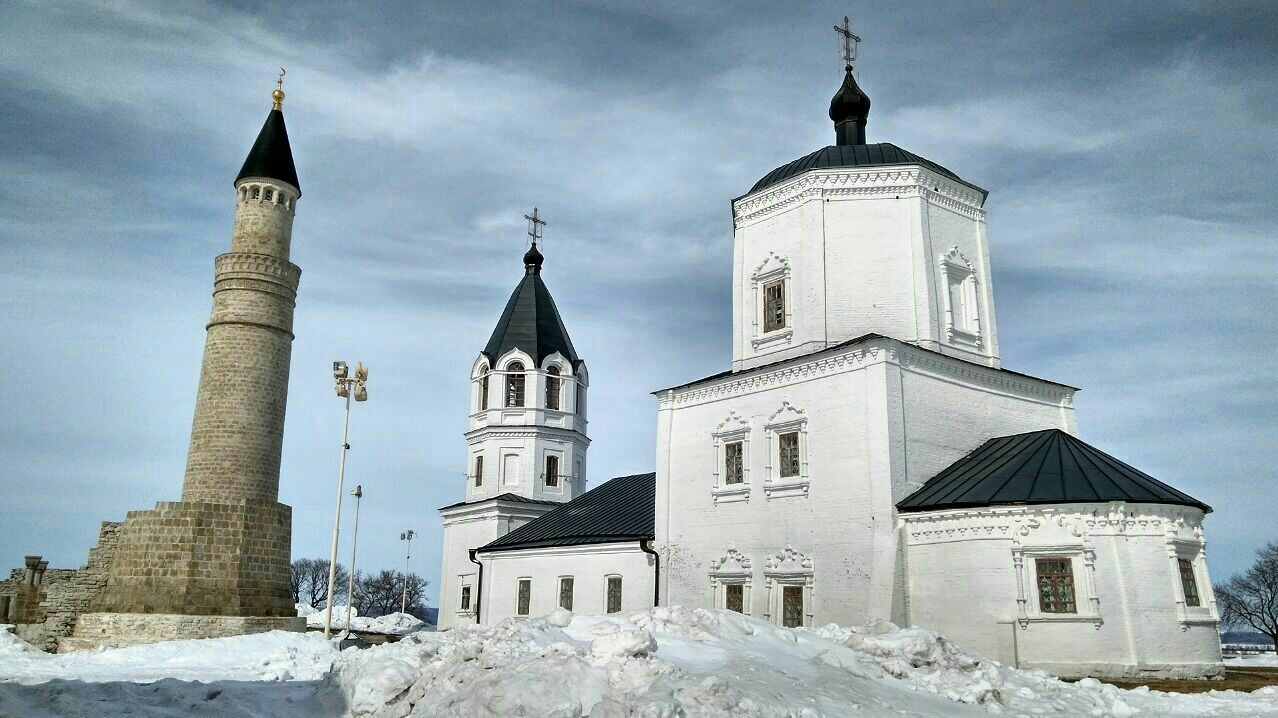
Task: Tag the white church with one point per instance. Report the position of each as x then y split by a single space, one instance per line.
866 456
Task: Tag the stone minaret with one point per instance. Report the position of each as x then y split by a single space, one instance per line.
216 563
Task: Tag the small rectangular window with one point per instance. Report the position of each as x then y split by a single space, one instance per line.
552 389
1188 583
774 306
792 606
565 592
733 464
515 389
734 597
1056 585
614 594
523 597
581 401
465 598
552 470
788 450
479 471
483 391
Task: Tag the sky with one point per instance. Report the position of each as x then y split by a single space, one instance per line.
1127 147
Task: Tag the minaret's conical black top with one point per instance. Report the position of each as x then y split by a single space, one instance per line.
271 155
531 321
849 108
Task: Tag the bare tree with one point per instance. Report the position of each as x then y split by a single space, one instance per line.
309 577
380 593
1251 599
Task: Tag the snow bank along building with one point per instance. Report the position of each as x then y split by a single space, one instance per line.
865 457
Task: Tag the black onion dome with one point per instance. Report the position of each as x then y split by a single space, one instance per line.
271 156
533 258
850 103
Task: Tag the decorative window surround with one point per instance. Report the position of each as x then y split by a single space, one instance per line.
1194 552
733 568
963 322
788 568
1085 599
773 268
733 428
785 420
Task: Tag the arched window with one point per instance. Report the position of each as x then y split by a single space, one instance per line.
483 388
553 388
243 193
257 192
270 194
581 400
515 384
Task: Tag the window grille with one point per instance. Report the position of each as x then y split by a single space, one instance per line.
515 384
552 470
774 306
1188 583
733 464
483 390
552 388
1056 585
479 471
270 194
734 597
465 598
257 192
565 592
792 606
523 596
789 454
614 594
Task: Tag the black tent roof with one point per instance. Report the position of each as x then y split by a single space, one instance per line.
271 155
621 509
1040 467
883 153
531 323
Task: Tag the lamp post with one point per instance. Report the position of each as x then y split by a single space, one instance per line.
358 493
406 536
345 385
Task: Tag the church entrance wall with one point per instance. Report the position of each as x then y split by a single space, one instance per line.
590 568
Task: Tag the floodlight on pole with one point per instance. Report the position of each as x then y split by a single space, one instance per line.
343 385
358 493
406 536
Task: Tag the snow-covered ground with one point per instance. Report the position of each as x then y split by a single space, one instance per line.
1264 660
661 662
400 624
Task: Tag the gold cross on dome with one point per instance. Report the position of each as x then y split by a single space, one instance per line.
535 223
849 40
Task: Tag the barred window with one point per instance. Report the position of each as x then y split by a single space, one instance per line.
465 598
614 594
523 596
789 453
257 192
479 471
1188 583
483 389
515 384
565 592
553 384
733 463
552 470
792 606
1056 585
774 306
734 597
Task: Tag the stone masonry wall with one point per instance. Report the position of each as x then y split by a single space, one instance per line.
113 630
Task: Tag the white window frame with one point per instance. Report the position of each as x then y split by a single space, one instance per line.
463 583
788 568
1083 567
559 591
519 581
785 420
956 269
733 568
1205 612
773 268
733 428
607 579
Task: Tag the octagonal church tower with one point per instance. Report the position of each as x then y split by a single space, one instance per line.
526 443
216 563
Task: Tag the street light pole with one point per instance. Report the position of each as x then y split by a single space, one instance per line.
358 493
406 536
344 385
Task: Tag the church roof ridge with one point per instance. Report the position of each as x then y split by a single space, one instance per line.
620 509
881 154
1048 466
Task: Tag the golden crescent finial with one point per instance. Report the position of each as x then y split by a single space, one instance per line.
278 95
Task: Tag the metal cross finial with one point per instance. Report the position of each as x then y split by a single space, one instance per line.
849 42
535 223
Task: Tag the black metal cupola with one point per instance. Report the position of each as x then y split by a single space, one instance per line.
849 109
271 156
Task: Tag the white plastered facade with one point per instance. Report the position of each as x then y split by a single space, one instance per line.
589 566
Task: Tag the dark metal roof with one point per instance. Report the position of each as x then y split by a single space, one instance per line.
271 155
1040 467
883 153
837 347
531 323
513 498
619 509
